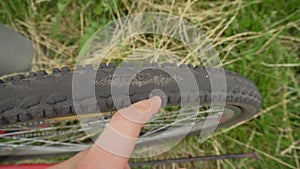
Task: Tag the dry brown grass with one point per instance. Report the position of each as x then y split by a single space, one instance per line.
214 18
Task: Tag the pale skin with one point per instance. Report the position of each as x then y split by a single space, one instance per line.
96 157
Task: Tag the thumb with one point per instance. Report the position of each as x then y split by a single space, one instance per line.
130 119
120 136
116 143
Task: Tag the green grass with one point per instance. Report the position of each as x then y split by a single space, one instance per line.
258 39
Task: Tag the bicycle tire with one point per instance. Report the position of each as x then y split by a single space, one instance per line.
41 95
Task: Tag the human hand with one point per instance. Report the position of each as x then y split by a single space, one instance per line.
115 144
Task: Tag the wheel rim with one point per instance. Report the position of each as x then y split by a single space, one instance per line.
49 137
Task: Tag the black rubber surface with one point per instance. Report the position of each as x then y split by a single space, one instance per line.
40 95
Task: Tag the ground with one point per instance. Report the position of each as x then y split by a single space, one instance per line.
258 39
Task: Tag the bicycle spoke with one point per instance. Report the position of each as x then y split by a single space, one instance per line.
72 135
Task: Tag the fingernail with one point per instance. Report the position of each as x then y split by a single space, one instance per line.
142 106
155 100
145 105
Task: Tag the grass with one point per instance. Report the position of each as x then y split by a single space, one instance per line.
258 39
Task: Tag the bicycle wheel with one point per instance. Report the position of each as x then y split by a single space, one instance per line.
37 114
